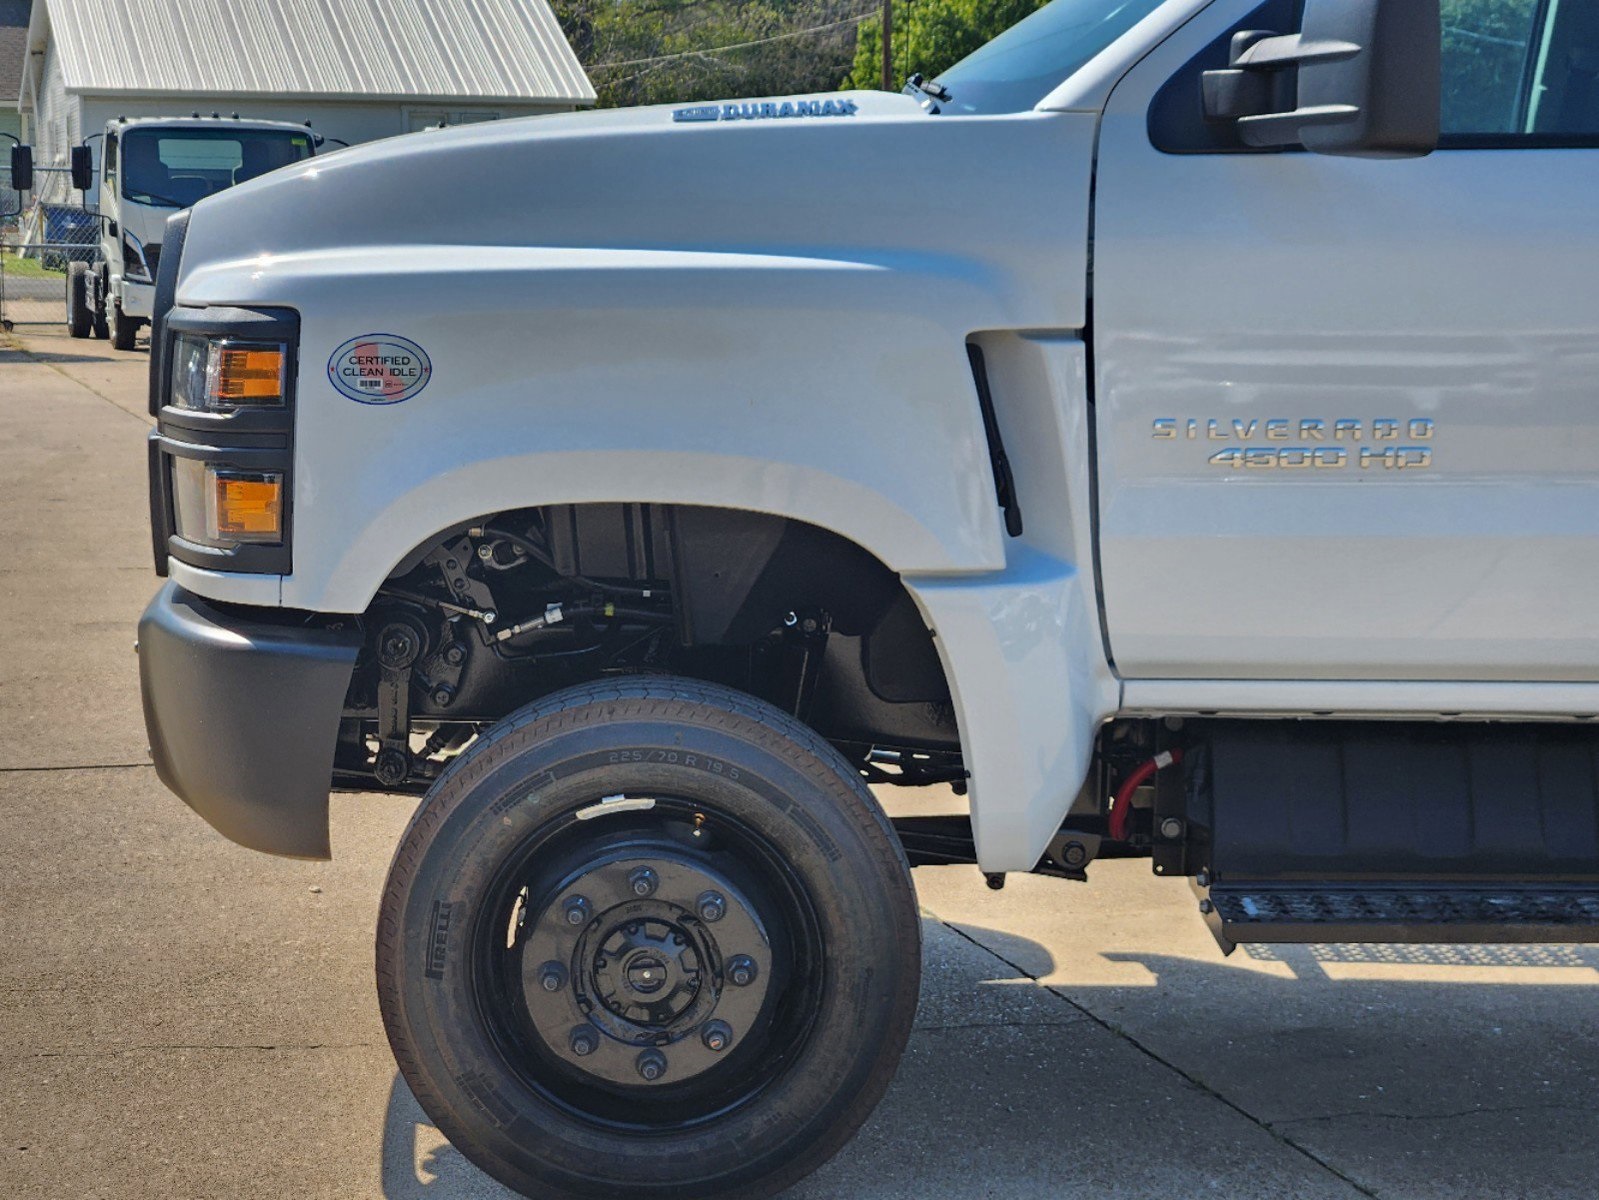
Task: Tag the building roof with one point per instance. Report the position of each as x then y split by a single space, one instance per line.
505 51
13 48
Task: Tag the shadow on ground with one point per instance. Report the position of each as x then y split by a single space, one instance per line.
1329 1058
55 358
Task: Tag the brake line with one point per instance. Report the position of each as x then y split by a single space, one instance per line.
1121 813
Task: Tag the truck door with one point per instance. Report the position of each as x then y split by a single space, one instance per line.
1348 409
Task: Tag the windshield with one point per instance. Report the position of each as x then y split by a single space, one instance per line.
173 168
1029 60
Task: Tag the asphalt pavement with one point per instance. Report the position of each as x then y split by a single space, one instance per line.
180 1017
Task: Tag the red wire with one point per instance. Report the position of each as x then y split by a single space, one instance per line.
1121 813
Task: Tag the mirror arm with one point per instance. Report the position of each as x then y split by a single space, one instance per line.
1267 51
1283 129
1244 92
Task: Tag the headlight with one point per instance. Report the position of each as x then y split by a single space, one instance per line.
221 506
223 374
133 264
222 456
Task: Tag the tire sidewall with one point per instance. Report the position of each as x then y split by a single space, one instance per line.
483 812
124 329
78 316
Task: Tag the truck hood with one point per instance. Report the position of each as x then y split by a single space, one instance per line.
864 176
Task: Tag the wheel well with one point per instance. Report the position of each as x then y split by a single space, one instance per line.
489 615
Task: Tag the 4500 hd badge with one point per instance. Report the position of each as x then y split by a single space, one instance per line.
1384 443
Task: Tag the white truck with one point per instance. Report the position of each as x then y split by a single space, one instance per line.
148 168
1175 427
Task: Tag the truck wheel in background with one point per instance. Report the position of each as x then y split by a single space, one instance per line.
80 317
124 329
102 289
648 938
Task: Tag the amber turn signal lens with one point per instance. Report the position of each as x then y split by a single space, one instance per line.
245 506
248 375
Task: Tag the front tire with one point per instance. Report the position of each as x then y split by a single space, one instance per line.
124 329
649 939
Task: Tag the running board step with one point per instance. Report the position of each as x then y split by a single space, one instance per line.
1240 913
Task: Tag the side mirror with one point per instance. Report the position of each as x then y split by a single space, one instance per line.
82 168
21 168
1369 81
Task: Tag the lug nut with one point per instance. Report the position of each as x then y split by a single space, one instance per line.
651 1065
584 1041
643 881
711 906
741 971
551 976
577 910
717 1036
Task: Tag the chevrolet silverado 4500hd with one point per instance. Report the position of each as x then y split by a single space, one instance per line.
1176 427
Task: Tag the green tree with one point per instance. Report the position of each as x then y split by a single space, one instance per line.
931 36
1485 54
672 51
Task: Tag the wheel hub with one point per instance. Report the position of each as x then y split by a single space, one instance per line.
648 971
645 986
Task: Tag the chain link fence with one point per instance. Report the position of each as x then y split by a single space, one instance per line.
41 235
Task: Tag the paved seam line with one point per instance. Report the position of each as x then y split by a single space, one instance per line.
1072 1024
248 1048
93 391
1271 1132
1448 1116
78 767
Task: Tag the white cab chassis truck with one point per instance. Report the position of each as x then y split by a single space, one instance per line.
1175 427
148 168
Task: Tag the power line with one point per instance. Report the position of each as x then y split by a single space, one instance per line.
777 37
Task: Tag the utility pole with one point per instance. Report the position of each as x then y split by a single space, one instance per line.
888 46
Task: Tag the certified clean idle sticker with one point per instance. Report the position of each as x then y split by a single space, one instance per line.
379 368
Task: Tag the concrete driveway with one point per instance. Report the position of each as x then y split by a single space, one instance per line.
182 1018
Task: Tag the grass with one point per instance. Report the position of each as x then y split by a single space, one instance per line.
27 268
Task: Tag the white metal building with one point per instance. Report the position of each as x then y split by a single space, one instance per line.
13 37
357 69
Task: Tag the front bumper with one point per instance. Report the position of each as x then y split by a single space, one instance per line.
138 299
243 712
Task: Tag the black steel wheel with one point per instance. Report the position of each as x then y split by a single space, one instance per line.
649 939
